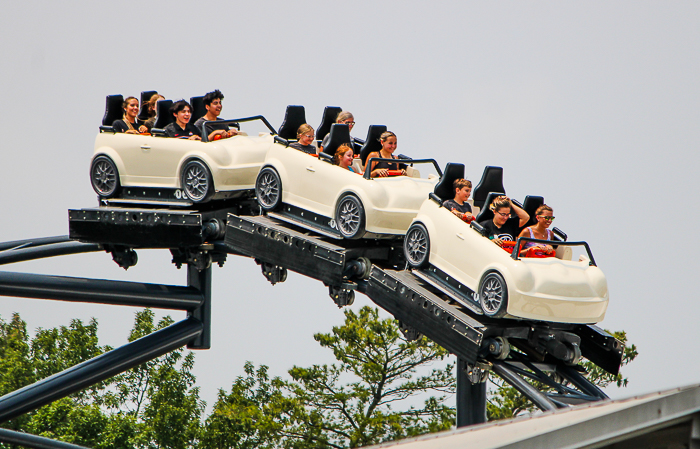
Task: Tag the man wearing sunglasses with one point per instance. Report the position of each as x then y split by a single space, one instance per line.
503 227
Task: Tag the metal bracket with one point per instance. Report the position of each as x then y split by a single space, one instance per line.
409 333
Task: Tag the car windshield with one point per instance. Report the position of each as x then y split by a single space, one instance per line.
252 126
416 168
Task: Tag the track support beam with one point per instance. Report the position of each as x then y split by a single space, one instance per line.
98 369
471 397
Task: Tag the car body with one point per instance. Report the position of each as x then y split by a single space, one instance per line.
229 166
318 195
461 261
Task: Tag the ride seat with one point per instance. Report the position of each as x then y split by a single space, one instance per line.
443 189
198 108
143 111
530 205
372 143
491 181
340 134
294 117
163 115
330 113
113 110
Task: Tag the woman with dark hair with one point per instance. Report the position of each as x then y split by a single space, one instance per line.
381 168
182 128
544 216
128 124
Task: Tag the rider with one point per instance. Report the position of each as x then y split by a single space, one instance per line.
503 227
459 205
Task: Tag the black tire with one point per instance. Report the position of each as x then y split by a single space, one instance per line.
350 217
197 182
268 189
416 246
104 177
493 295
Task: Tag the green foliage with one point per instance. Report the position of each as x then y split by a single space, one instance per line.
362 399
139 409
356 402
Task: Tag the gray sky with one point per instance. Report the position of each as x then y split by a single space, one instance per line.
594 106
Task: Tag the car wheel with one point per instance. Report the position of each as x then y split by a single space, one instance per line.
104 177
196 182
416 246
350 217
268 189
493 295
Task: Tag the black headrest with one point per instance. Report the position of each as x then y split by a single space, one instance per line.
294 117
330 113
198 109
372 143
444 188
486 213
114 109
145 96
491 181
340 134
530 205
163 115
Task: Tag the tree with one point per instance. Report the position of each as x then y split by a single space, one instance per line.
318 408
139 408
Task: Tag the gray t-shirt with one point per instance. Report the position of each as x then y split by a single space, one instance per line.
211 126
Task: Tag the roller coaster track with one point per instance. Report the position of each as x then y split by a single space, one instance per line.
516 351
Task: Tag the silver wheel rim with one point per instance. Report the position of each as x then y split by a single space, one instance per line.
348 217
196 182
104 177
268 189
416 246
491 295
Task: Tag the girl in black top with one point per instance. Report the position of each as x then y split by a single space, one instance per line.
305 135
381 168
128 123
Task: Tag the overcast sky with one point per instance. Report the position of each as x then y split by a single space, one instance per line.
593 105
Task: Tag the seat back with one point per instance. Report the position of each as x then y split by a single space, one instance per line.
114 109
163 115
491 181
372 143
444 189
143 111
486 213
198 109
294 117
340 134
330 113
530 205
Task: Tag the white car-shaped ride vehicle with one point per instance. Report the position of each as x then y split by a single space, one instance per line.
312 192
168 169
455 257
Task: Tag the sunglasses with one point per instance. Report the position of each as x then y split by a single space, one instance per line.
546 218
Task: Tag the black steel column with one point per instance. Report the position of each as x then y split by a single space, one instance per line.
34 441
48 250
201 280
98 369
99 291
471 398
